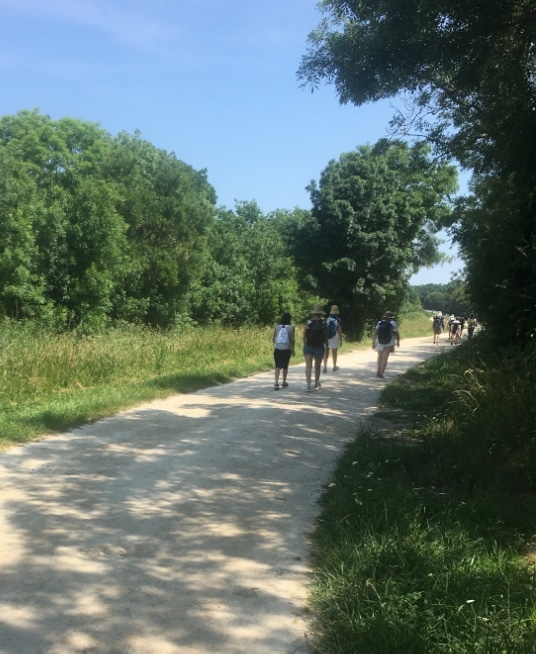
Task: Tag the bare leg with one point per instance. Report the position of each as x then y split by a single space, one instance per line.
326 357
334 351
318 366
382 361
385 357
308 369
276 385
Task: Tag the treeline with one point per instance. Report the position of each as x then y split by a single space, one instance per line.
448 298
98 230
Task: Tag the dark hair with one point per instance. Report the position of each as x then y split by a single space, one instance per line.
286 319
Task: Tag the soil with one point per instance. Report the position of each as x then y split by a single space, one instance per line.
181 526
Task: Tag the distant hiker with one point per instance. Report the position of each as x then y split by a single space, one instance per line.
315 339
384 338
455 330
283 338
438 325
450 322
471 325
334 325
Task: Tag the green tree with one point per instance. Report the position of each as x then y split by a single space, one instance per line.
376 211
168 207
470 69
251 277
22 285
67 214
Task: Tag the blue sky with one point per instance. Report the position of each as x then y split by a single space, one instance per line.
213 81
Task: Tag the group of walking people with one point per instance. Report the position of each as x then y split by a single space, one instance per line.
455 327
322 336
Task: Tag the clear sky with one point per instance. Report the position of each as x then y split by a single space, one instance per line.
213 81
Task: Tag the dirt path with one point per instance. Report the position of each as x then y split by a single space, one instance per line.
181 526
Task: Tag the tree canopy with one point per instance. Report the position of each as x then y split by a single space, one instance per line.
375 213
470 68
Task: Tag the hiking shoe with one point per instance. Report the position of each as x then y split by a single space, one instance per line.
276 387
335 368
284 384
325 369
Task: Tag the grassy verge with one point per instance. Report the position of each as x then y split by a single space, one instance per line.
51 383
425 541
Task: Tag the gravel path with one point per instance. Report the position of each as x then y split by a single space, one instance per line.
181 526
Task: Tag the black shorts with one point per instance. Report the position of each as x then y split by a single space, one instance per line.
281 358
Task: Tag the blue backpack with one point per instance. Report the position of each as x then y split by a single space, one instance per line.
332 327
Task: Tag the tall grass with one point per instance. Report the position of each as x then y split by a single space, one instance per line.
51 382
425 542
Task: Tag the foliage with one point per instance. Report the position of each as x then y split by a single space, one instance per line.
375 211
503 288
250 277
448 298
432 524
470 69
92 226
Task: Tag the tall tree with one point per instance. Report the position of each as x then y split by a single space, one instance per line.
67 213
251 278
470 67
376 211
168 207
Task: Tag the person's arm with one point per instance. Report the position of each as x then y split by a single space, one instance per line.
396 334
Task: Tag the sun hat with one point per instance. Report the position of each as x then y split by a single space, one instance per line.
389 314
318 310
334 309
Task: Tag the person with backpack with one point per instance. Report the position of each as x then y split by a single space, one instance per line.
471 325
283 337
438 325
334 326
315 340
385 336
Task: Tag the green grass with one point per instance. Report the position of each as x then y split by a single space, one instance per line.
55 382
425 541
51 382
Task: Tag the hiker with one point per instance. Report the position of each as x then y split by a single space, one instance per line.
471 325
315 339
385 336
455 330
334 325
283 338
438 325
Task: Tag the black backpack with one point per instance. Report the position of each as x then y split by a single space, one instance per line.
316 333
385 332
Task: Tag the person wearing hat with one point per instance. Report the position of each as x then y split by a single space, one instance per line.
315 340
384 338
335 341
